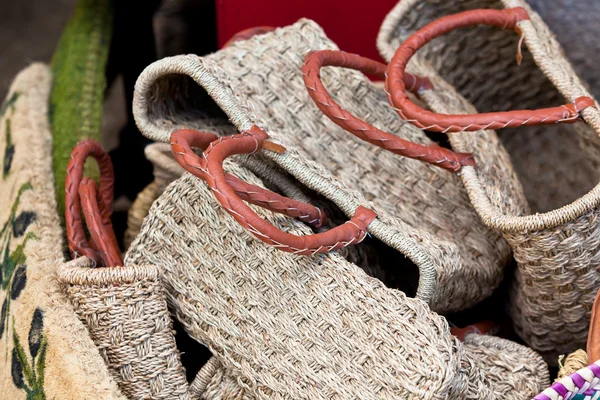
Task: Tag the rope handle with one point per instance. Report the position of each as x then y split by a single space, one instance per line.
397 88
209 168
185 139
82 193
311 72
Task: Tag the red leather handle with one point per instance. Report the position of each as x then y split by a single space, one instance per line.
102 236
397 88
97 208
187 138
311 70
210 169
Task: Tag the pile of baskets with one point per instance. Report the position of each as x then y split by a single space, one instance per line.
327 237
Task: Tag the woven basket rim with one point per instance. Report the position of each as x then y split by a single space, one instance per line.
481 202
82 272
193 67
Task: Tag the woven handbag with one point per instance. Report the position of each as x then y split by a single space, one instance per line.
556 247
423 213
283 325
165 170
46 350
123 307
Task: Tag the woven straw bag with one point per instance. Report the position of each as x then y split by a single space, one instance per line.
422 211
166 170
46 350
282 325
123 307
557 250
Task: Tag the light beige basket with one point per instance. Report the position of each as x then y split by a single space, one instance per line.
423 211
166 170
558 250
125 311
288 326
46 352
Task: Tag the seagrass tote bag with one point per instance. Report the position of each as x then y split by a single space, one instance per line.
422 210
556 246
46 352
284 325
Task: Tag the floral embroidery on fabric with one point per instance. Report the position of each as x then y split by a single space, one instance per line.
26 375
13 268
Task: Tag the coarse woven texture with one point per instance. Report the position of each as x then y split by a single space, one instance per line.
557 251
46 351
78 87
575 26
423 211
125 310
166 170
572 363
290 326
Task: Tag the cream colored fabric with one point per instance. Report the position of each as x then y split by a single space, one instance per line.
54 343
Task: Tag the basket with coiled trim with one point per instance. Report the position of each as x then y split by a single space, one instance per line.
555 242
423 213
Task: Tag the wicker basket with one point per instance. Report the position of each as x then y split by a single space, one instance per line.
288 326
259 82
557 250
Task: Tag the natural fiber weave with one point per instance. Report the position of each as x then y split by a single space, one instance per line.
289 326
166 170
46 352
558 251
423 211
124 309
572 363
214 383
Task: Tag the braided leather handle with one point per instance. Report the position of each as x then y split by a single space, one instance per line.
187 138
97 208
396 78
102 236
210 169
311 71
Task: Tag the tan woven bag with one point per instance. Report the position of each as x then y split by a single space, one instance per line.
557 250
282 325
45 350
422 211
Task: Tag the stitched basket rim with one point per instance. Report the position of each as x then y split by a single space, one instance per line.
481 202
82 272
193 67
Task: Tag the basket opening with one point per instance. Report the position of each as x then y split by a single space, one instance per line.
177 101
480 63
372 255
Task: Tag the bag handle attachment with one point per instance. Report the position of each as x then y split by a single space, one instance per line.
182 142
82 193
397 88
311 72
209 168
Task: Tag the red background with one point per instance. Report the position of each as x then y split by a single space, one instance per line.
352 24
